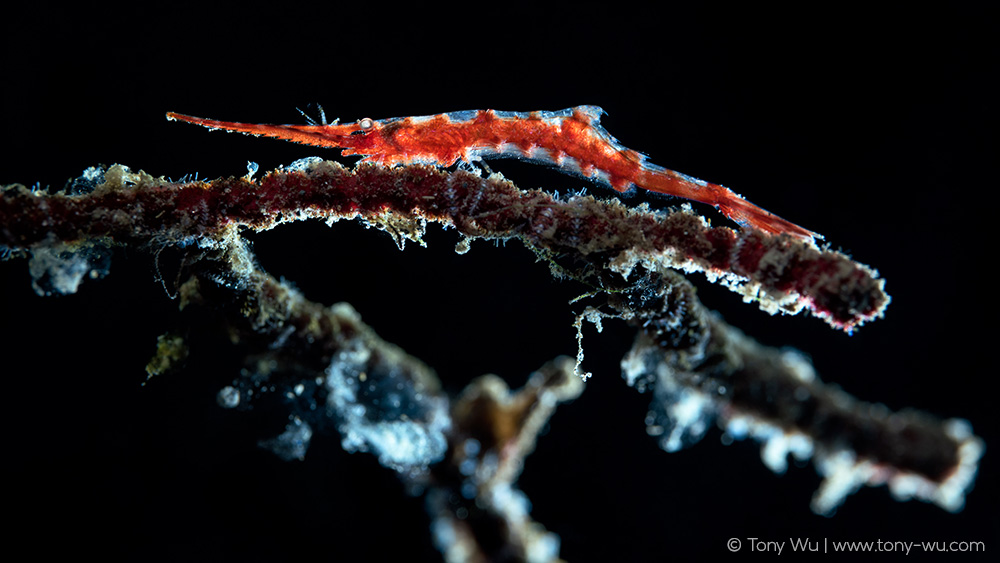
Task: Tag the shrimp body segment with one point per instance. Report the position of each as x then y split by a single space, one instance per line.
571 139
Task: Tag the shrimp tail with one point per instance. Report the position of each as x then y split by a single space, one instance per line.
728 202
749 215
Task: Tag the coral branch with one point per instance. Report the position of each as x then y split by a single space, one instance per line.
779 272
466 453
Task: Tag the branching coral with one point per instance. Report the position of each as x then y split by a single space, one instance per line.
465 453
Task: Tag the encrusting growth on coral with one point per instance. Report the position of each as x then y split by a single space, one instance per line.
465 453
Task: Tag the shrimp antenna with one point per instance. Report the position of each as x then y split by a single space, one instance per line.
322 115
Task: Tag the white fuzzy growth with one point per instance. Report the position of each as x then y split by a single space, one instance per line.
594 316
64 269
541 546
844 476
400 443
304 164
689 414
949 494
60 268
843 473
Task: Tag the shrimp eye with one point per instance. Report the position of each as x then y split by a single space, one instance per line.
366 125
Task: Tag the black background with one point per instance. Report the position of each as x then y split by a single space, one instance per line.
869 128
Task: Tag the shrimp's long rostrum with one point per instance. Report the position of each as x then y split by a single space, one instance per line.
571 139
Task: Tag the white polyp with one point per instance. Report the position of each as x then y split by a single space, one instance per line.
252 168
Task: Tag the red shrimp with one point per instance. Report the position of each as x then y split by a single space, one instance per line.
571 139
